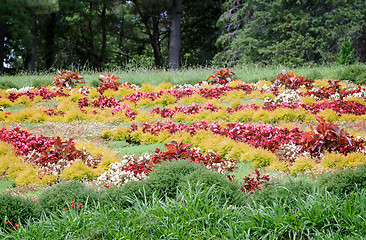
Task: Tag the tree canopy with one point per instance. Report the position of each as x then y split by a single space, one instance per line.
99 34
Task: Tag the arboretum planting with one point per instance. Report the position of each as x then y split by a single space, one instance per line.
291 124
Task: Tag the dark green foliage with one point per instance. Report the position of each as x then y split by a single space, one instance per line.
345 182
126 195
166 176
352 73
345 56
14 209
288 191
7 84
361 79
95 83
288 32
206 179
61 195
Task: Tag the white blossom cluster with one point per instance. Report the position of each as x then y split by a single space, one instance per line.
335 96
23 89
290 152
222 167
264 87
288 96
189 86
361 94
134 86
84 90
314 173
117 176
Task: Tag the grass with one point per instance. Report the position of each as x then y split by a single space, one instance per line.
123 147
250 73
6 184
197 214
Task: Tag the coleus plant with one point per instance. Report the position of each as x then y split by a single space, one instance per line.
291 81
177 150
108 82
327 136
68 79
222 76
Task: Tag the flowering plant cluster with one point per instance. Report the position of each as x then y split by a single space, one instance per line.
54 112
40 91
291 81
136 168
264 136
192 109
49 153
339 106
333 91
130 168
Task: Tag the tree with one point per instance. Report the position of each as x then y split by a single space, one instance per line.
287 31
199 30
153 16
36 8
175 38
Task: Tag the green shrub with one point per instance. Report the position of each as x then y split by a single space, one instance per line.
289 191
165 178
222 185
344 182
345 55
124 197
60 196
7 84
95 83
360 79
15 209
351 73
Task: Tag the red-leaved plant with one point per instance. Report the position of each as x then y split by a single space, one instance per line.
330 137
180 151
253 183
75 206
291 81
222 76
67 79
176 149
12 226
108 82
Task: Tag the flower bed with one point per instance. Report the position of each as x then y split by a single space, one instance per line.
239 117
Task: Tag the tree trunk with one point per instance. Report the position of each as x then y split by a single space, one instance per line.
104 38
2 36
175 42
33 53
50 52
155 43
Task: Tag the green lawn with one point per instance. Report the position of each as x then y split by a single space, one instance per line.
139 76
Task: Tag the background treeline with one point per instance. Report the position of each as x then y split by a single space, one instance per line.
100 34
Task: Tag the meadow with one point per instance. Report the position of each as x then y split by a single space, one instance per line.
246 153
